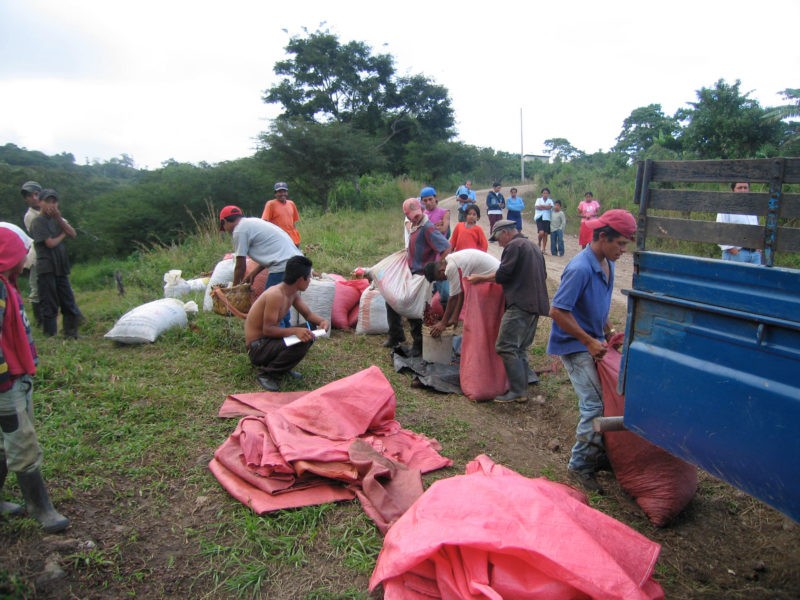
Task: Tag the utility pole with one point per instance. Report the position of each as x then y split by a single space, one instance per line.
521 152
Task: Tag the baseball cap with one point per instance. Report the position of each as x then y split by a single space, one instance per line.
48 193
281 185
618 219
228 211
31 187
12 249
411 206
427 191
500 226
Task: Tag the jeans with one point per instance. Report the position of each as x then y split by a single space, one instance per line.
743 256
588 448
275 279
20 448
557 242
517 329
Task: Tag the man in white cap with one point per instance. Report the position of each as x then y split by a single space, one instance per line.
282 212
523 275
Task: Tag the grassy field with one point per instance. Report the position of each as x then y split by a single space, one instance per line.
128 432
133 428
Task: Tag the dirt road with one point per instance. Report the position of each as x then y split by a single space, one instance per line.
555 264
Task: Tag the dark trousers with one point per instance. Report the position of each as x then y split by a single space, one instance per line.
396 327
55 292
273 357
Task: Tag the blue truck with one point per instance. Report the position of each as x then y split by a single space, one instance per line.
711 358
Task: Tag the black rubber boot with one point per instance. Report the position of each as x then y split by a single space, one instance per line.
7 508
416 336
49 326
396 334
37 502
517 379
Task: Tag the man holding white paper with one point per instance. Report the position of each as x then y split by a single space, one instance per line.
264 337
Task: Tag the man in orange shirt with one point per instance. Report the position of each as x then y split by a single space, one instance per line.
282 212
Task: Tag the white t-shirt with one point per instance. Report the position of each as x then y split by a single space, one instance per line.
543 209
470 262
264 242
737 219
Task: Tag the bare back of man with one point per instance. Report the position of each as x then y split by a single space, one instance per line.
263 319
263 334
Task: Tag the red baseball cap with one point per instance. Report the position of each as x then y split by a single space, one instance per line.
618 219
228 211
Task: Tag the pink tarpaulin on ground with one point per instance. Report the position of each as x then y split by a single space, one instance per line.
304 446
493 533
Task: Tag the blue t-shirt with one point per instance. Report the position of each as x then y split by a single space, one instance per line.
585 292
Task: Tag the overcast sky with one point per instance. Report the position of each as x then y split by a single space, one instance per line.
183 80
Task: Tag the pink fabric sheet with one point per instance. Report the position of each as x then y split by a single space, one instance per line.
301 449
493 533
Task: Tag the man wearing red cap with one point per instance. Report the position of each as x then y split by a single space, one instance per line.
267 244
425 244
20 452
283 212
580 329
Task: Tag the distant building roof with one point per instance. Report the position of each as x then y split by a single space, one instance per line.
540 157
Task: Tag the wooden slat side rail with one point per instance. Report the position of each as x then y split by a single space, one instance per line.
722 202
725 171
749 236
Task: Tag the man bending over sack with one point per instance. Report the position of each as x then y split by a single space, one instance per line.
263 334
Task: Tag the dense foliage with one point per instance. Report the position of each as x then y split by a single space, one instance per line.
354 135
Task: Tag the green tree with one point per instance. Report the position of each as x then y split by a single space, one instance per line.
561 149
645 127
787 111
325 81
316 155
724 123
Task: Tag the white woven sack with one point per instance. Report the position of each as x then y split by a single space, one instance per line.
319 297
372 313
404 292
145 323
223 273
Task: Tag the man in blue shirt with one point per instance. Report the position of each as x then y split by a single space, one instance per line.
580 329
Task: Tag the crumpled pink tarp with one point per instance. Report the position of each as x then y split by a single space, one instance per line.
493 533
301 451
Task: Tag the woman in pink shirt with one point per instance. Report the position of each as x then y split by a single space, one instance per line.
588 209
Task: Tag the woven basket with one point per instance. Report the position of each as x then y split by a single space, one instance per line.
234 300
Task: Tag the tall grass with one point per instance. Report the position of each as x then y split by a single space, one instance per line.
128 430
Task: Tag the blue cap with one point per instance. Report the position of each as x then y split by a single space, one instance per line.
427 191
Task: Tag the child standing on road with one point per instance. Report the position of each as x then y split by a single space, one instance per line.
469 234
558 222
20 452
